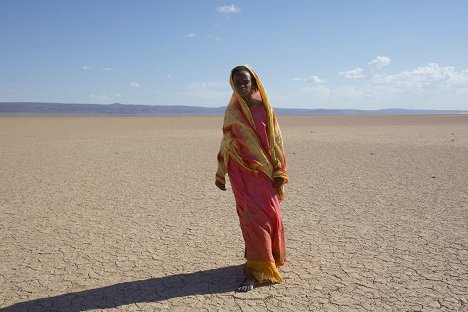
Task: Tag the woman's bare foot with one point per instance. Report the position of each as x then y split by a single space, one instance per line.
247 284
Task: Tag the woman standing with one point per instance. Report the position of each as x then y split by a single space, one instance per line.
252 155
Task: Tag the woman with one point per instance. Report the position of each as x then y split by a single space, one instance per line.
252 155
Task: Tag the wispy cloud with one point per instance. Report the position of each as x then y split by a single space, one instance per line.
215 38
134 84
197 85
379 62
228 9
426 86
313 79
432 86
208 37
422 87
87 67
429 76
355 73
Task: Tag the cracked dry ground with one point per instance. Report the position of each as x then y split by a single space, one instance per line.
121 213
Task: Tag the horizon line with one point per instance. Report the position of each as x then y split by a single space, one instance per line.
219 107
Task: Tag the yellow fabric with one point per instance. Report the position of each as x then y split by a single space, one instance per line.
263 271
241 142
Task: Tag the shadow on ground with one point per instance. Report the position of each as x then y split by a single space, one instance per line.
214 281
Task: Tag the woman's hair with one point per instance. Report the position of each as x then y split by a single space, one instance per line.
241 68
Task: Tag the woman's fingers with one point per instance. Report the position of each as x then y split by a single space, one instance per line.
220 185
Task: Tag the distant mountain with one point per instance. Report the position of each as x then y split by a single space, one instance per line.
36 108
101 109
387 111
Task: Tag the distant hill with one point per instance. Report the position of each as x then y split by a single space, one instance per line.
37 108
101 109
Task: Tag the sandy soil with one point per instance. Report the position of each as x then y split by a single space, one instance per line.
121 213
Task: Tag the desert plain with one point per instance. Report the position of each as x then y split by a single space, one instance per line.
121 213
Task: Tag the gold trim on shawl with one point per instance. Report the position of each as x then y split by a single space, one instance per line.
264 271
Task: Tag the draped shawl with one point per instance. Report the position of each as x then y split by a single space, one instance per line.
242 144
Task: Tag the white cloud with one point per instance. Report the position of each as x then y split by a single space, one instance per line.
197 85
430 86
215 38
430 76
228 9
134 84
191 35
353 73
313 79
316 79
379 62
87 67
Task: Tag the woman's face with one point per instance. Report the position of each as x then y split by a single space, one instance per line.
242 83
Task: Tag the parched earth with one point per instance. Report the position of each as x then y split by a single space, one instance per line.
121 213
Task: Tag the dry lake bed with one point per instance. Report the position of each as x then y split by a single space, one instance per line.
121 213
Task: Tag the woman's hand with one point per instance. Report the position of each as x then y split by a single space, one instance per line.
220 185
277 182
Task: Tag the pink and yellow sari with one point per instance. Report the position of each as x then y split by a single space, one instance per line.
252 155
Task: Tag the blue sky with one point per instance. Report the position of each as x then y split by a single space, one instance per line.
309 54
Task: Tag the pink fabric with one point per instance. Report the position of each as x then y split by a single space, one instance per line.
260 118
257 205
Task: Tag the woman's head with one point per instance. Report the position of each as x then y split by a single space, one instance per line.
244 83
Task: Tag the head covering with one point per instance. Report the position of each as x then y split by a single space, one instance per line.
245 108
